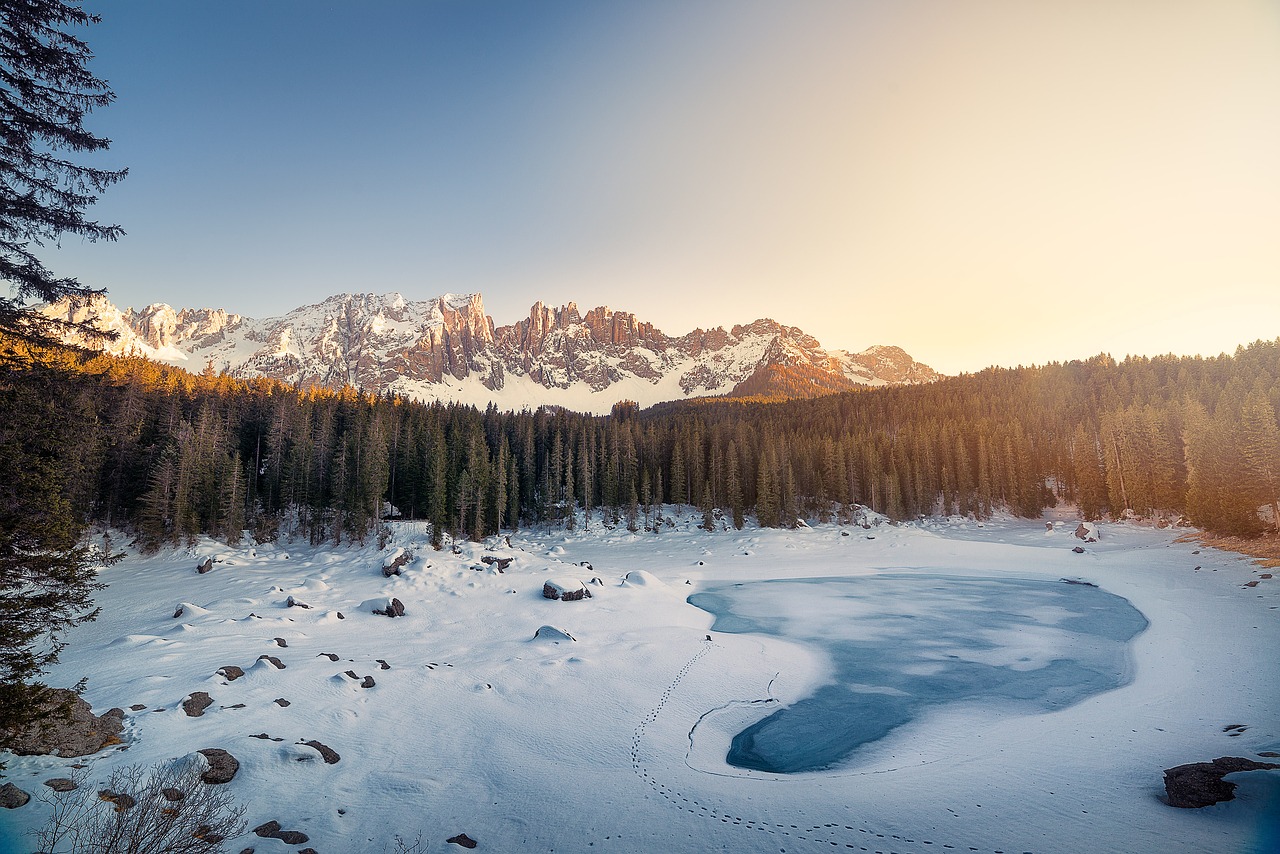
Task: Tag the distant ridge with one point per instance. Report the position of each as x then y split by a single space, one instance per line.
447 348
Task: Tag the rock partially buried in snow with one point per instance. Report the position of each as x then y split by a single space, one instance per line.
61 784
271 830
296 603
1087 531
11 797
329 755
383 608
196 703
222 766
554 634
396 561
230 672
463 840
565 589
122 800
1200 784
79 733
205 565
641 578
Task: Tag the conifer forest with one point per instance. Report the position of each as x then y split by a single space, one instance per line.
167 455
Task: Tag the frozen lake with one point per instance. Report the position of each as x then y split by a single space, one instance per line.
900 644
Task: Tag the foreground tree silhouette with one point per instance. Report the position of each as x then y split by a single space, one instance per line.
46 572
45 93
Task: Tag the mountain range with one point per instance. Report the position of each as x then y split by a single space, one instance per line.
447 348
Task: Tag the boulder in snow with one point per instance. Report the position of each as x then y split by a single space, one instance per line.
566 590
11 797
222 766
394 608
195 704
1201 784
68 728
271 830
500 563
230 673
395 561
327 753
296 603
1087 531
205 565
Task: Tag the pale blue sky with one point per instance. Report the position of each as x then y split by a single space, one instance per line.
978 182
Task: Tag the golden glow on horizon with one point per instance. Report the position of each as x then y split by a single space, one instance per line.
980 183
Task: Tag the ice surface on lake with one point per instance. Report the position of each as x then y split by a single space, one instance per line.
902 643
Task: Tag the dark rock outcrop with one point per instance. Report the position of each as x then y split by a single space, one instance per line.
463 840
230 672
273 661
68 728
395 608
1201 784
61 784
222 766
205 565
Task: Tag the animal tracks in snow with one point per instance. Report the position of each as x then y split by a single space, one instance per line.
831 834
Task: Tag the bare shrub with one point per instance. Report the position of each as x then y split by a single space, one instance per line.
164 809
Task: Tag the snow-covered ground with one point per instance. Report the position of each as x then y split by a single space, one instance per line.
551 744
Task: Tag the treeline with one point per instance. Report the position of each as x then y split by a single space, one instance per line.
168 455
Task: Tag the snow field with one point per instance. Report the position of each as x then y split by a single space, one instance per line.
616 741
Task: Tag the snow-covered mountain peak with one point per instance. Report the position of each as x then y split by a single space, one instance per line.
447 348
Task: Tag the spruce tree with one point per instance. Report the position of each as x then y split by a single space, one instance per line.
1260 448
47 571
733 486
47 91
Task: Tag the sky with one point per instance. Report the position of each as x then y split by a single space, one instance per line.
977 182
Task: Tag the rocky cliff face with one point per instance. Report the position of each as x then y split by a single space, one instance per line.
449 349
